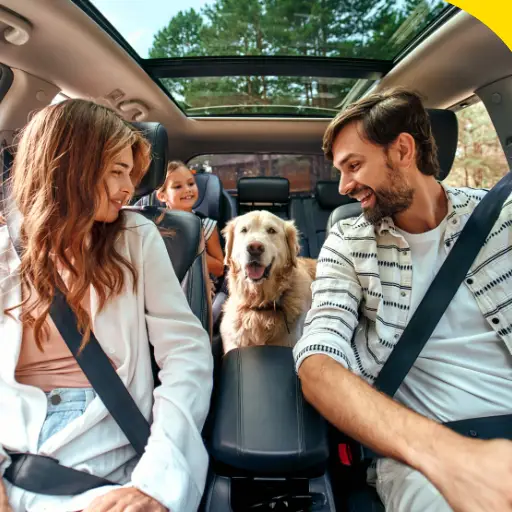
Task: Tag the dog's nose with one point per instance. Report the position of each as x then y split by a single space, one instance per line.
255 248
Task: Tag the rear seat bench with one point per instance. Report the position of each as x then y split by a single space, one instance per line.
271 193
311 215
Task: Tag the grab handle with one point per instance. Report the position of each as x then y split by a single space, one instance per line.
141 110
19 30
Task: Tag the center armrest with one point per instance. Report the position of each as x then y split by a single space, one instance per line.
262 423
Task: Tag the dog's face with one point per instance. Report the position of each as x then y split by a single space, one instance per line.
259 243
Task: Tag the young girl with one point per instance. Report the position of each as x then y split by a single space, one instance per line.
77 164
179 192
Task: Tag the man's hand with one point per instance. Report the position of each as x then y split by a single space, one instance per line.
475 476
4 502
124 499
472 475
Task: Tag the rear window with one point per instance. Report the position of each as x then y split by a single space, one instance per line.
303 171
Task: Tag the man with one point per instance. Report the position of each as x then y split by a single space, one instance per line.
372 273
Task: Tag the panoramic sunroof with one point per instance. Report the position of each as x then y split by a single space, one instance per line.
259 95
364 32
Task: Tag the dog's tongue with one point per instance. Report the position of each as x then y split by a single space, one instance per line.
255 271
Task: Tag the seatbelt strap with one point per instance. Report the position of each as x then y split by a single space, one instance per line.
101 375
490 427
44 475
444 287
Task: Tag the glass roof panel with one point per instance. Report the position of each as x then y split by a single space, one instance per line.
377 29
256 95
372 31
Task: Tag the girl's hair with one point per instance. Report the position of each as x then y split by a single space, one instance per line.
58 172
171 167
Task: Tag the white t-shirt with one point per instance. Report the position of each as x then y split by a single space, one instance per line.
464 370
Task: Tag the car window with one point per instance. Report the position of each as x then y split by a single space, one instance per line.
302 171
480 161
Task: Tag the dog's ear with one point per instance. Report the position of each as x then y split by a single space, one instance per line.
229 235
292 238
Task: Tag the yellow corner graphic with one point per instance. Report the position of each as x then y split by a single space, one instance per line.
496 14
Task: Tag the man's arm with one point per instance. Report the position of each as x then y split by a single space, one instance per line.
473 475
370 417
333 317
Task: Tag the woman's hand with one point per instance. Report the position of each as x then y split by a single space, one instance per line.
120 499
4 502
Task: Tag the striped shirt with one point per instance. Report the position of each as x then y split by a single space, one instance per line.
362 293
209 226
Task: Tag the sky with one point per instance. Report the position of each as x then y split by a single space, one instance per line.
139 20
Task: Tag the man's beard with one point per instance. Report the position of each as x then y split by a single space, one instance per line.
395 198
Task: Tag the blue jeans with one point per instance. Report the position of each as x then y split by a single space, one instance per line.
64 405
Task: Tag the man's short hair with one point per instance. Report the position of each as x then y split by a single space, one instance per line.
384 117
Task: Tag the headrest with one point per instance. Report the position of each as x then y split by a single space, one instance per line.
263 189
328 196
210 191
445 130
156 134
150 200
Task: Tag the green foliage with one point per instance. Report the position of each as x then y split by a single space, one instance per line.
180 38
480 161
321 28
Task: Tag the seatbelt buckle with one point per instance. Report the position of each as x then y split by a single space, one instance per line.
345 454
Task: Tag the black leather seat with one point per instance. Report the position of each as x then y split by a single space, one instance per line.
445 129
312 213
446 133
181 231
269 448
149 200
271 193
248 385
213 200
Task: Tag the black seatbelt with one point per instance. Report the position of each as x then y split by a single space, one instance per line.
444 287
34 472
101 375
435 302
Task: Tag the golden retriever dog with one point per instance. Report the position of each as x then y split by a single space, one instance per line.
269 286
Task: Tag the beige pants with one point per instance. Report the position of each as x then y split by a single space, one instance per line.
403 489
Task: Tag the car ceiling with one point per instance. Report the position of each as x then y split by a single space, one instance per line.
68 50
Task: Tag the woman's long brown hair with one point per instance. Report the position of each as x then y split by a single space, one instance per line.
58 173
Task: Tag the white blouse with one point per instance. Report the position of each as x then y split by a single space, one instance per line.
174 465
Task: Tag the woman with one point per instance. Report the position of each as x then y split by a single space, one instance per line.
77 164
